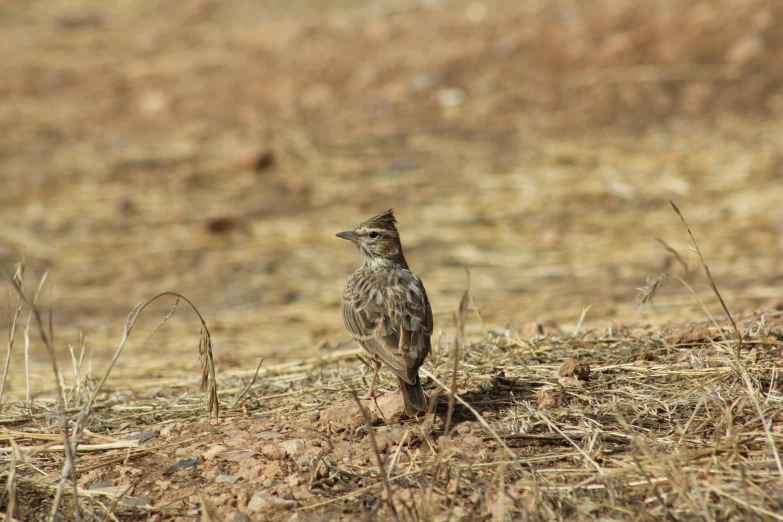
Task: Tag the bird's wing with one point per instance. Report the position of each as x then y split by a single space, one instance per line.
388 313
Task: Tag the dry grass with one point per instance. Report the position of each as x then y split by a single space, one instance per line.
75 406
673 424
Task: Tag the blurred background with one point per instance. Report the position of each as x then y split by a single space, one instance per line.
215 148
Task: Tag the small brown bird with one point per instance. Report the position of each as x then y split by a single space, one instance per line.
385 307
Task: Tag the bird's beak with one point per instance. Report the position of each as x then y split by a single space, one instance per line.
349 235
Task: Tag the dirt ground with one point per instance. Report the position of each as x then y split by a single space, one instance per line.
214 149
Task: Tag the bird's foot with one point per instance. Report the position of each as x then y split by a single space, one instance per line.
374 401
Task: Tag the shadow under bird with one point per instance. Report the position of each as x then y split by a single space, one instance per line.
385 308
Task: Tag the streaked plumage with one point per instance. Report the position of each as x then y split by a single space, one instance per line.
385 307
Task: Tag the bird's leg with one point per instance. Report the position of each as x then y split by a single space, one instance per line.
371 391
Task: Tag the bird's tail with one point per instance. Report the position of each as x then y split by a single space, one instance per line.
413 395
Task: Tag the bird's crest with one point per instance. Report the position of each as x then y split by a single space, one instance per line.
385 221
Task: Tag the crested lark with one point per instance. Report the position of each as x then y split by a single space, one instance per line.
385 307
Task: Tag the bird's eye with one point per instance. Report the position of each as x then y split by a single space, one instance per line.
373 234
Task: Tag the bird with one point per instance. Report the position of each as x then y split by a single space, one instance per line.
386 309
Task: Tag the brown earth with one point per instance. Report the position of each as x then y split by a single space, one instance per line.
214 149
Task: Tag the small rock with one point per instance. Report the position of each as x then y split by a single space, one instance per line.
273 451
347 414
569 382
214 452
266 435
192 451
126 471
292 447
243 518
142 437
274 470
182 464
315 416
499 504
386 436
91 477
548 396
318 470
282 491
258 160
452 97
136 501
302 494
227 479
464 428
473 441
540 328
574 368
263 501
249 469
304 460
238 456
392 406
111 491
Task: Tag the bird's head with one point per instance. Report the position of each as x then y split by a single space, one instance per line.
378 241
